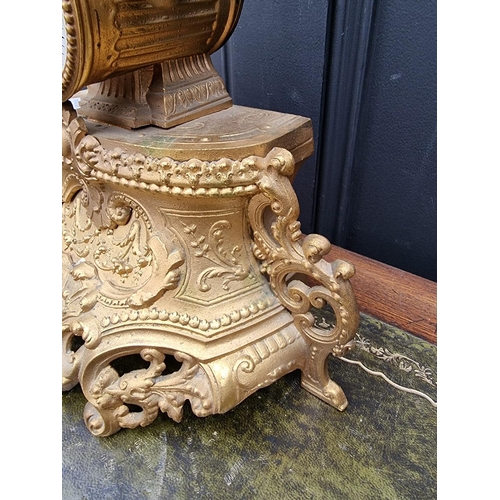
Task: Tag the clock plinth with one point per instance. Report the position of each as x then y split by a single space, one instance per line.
185 273
165 95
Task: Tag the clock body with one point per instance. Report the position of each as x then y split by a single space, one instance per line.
107 38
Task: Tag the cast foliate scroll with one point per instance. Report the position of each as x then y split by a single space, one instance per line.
298 274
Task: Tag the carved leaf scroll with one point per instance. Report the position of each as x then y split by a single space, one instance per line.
151 391
285 254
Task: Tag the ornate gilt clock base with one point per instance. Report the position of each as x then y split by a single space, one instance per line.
185 274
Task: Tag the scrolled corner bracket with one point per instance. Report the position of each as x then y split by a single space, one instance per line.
73 131
301 278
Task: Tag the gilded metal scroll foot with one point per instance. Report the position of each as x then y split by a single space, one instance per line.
316 380
302 279
331 393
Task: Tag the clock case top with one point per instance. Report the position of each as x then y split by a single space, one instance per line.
146 63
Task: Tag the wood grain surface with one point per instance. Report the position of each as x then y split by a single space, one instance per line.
392 295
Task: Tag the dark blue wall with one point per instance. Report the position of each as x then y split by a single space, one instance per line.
365 73
393 210
274 60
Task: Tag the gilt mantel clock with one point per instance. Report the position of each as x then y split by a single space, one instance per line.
185 274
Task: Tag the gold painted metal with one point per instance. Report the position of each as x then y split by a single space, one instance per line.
197 263
165 95
185 274
146 62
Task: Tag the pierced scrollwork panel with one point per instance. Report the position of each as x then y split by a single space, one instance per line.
135 398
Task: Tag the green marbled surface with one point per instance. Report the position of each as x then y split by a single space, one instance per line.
280 443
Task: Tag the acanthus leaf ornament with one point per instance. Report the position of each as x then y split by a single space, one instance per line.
278 244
